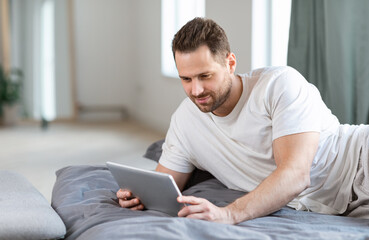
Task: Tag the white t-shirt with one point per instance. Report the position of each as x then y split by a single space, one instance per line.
237 148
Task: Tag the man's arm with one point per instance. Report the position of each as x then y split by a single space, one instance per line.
180 178
293 155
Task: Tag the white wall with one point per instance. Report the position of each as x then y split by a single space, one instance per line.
118 54
234 16
158 96
104 52
63 84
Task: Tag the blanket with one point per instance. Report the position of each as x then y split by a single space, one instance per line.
84 197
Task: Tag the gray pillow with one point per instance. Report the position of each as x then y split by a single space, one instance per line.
154 151
24 212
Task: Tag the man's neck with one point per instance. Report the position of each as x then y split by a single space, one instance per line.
234 97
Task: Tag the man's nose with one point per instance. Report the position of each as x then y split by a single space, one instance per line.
197 87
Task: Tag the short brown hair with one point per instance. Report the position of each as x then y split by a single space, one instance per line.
199 32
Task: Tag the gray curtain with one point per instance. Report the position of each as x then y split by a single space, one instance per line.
329 45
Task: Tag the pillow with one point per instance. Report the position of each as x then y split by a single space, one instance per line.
24 212
154 151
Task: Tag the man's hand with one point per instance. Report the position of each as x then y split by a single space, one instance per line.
126 200
200 208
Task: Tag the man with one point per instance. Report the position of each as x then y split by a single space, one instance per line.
267 132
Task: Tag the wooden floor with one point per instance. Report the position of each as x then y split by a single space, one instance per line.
37 153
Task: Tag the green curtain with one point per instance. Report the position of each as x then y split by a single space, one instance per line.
329 46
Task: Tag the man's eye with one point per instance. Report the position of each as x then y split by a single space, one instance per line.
205 76
186 79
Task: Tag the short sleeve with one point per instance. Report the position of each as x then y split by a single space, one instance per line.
293 104
175 156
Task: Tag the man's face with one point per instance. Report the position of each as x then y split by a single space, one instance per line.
206 81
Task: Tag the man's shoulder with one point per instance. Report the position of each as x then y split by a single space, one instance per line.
265 75
277 75
271 71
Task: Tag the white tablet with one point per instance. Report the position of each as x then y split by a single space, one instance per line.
157 191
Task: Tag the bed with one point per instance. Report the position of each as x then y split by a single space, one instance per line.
84 198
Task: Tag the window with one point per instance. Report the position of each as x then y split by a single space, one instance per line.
270 31
175 13
47 82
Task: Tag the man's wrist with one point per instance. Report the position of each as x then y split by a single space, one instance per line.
229 215
237 213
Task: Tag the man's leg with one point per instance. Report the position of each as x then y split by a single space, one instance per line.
359 207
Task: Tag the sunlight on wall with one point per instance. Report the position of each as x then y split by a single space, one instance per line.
270 32
47 61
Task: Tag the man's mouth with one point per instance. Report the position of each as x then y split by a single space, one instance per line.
202 100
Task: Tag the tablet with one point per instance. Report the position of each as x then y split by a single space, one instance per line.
156 190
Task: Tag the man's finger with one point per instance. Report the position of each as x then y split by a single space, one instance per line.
200 216
129 203
192 209
124 194
138 207
190 200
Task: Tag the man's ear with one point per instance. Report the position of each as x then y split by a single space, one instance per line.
232 62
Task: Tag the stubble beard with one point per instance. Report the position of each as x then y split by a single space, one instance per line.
217 98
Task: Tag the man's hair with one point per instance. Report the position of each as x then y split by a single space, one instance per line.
199 32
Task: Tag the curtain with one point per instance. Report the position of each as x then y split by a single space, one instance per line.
329 46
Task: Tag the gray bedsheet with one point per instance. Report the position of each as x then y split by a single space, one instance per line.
84 197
